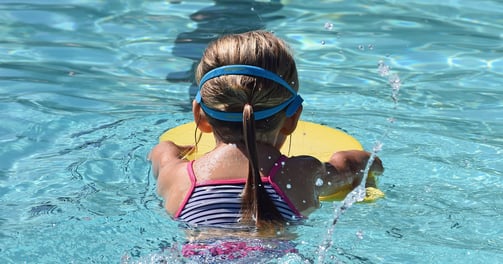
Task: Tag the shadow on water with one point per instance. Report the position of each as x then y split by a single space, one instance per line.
224 17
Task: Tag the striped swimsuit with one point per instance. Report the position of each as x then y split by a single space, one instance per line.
218 203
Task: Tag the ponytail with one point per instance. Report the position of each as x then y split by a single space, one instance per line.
256 204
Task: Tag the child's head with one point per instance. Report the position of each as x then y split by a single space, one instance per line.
229 93
248 93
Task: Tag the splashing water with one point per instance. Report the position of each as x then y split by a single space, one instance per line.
393 79
358 193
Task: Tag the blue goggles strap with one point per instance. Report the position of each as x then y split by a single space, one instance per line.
291 104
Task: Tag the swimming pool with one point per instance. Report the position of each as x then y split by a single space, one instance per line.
84 97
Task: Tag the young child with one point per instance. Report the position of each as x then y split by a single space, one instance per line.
248 98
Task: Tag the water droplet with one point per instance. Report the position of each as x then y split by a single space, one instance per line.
269 157
359 234
319 182
370 47
303 201
322 42
383 69
329 26
361 47
289 186
283 164
394 81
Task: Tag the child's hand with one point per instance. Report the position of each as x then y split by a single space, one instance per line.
353 162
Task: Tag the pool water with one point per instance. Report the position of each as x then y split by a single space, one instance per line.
86 88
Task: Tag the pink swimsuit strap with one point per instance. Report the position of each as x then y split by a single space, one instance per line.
192 178
272 173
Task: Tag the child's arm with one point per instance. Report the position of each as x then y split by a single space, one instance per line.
168 161
345 171
167 154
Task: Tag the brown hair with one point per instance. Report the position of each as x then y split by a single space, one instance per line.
241 93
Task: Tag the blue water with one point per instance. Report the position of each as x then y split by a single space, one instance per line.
84 96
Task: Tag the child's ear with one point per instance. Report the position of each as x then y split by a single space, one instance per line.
291 123
200 118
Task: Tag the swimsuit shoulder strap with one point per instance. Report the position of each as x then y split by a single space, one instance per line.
192 177
280 162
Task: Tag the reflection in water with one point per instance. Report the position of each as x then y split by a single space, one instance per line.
224 17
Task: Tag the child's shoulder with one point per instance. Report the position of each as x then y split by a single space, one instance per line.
304 159
305 165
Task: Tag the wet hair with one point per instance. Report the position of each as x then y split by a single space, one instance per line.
246 94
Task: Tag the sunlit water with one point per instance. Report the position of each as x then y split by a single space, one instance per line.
84 96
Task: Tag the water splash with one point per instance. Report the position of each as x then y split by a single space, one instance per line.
393 79
358 193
